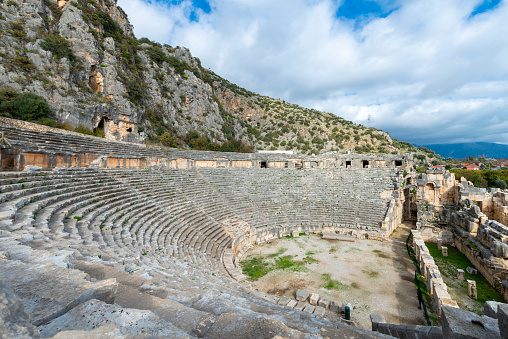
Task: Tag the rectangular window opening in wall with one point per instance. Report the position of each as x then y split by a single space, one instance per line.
398 163
365 163
286 165
348 163
264 164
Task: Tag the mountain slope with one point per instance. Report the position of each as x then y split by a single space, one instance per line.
83 59
475 149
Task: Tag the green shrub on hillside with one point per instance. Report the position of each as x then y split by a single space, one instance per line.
58 46
27 106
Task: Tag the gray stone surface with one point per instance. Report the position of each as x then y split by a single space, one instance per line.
48 291
14 322
461 324
94 314
490 308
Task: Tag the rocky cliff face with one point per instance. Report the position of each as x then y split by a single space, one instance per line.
82 57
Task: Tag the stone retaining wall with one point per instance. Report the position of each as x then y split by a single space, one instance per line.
435 285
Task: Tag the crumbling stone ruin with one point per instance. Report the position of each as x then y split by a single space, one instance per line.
120 240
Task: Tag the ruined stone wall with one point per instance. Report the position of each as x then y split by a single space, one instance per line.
436 287
477 220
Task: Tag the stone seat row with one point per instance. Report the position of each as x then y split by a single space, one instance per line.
69 143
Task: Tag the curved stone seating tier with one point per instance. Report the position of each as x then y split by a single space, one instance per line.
173 229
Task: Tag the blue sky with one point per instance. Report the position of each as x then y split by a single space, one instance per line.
426 71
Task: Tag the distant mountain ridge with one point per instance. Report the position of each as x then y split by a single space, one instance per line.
475 149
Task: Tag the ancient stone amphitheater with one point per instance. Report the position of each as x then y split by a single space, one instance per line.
130 241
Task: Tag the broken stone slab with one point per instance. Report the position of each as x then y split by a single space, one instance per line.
283 301
295 234
324 302
300 306
309 308
302 295
462 324
48 291
292 303
313 300
320 311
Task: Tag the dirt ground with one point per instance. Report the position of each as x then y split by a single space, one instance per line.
374 276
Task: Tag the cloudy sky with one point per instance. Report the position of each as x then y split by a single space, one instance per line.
426 71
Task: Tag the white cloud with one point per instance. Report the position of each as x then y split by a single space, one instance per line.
425 73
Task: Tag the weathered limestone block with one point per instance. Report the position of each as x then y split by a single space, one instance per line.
302 295
444 250
324 302
471 289
334 306
309 308
461 324
376 319
313 300
283 301
300 306
295 234
461 274
320 311
292 303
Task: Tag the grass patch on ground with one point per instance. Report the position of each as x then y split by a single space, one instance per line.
332 284
371 273
353 249
255 268
258 267
279 252
448 267
380 254
333 249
